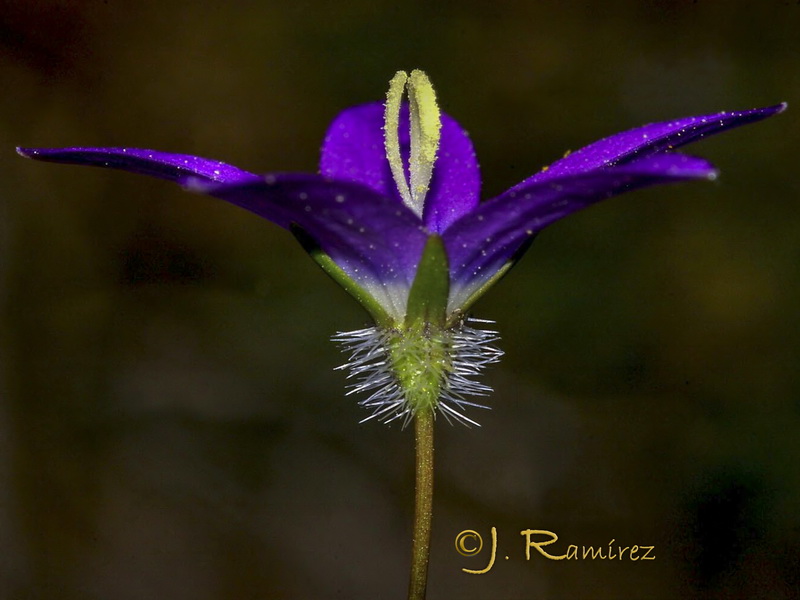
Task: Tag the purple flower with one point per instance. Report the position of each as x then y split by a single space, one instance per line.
395 217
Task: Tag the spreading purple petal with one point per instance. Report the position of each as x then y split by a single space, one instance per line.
480 243
354 151
647 140
164 165
375 240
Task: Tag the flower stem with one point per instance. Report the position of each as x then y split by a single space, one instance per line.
423 504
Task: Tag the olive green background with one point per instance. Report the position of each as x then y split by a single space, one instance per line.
171 425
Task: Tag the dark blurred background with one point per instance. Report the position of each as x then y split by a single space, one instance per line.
171 425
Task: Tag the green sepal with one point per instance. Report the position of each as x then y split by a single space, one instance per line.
335 272
427 300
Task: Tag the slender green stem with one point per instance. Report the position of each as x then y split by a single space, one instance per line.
423 504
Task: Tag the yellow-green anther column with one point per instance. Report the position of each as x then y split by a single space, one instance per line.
425 130
426 127
391 125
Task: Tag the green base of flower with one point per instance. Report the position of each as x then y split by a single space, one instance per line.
421 359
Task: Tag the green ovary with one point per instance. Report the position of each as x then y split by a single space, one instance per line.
421 360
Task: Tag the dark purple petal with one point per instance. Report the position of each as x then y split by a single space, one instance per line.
647 140
456 185
353 150
377 241
164 165
480 243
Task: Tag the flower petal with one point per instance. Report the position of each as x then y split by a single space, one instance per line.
647 140
479 244
164 165
456 185
353 150
375 240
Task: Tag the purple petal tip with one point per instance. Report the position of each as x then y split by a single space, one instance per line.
775 109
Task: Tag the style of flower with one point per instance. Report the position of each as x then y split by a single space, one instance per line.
394 217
